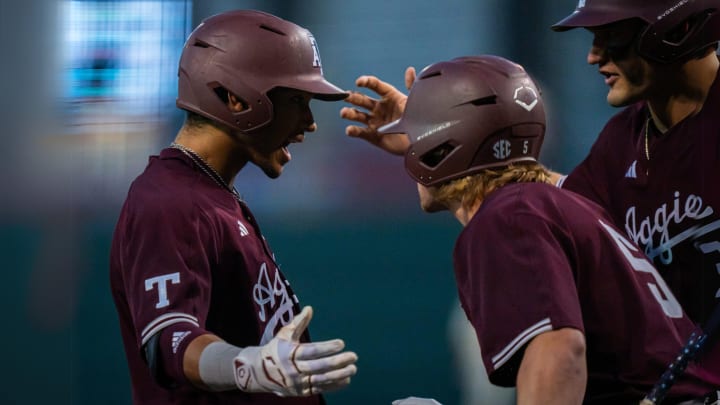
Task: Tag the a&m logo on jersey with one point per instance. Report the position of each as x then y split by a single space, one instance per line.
526 97
501 149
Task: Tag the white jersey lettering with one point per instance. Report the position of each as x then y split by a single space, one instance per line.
643 231
161 281
272 297
659 289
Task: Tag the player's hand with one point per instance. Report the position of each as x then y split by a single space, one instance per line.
415 401
373 113
289 368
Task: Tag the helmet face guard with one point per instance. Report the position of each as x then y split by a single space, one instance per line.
248 53
470 114
675 29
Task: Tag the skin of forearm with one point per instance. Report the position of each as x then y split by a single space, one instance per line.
553 369
191 358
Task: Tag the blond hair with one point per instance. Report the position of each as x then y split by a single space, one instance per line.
470 189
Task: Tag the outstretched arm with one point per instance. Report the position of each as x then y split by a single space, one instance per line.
283 366
372 113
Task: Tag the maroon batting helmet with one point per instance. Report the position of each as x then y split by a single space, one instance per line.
676 29
468 114
248 53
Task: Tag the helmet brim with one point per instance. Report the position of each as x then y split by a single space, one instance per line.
587 18
322 90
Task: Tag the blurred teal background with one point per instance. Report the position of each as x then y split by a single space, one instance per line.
88 93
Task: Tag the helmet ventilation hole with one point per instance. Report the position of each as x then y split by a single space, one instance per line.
271 29
224 95
437 154
485 100
201 44
431 74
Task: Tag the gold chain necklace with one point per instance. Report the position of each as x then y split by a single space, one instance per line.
647 141
204 166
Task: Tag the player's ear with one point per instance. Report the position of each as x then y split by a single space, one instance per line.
235 103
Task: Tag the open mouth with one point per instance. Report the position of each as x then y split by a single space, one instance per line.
293 139
610 78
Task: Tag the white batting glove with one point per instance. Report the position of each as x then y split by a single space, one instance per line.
415 401
286 367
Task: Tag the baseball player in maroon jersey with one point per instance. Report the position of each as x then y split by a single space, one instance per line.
656 165
206 315
565 307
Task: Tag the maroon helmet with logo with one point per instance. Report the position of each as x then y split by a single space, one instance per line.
468 114
676 29
248 53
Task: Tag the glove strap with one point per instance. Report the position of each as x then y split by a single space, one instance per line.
216 366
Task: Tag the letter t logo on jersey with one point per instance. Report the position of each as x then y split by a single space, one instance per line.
161 282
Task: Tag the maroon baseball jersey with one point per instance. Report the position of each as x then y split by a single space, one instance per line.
535 258
186 253
669 204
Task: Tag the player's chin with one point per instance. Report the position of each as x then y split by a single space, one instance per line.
274 165
620 97
430 205
273 171
274 168
616 100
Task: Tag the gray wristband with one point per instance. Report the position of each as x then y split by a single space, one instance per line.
216 366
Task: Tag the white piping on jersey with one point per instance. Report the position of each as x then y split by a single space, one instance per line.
505 354
560 181
163 321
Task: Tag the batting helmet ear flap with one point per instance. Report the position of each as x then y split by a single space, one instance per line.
677 36
257 112
436 155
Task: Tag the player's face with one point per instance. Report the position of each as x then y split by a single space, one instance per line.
627 74
291 119
428 203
